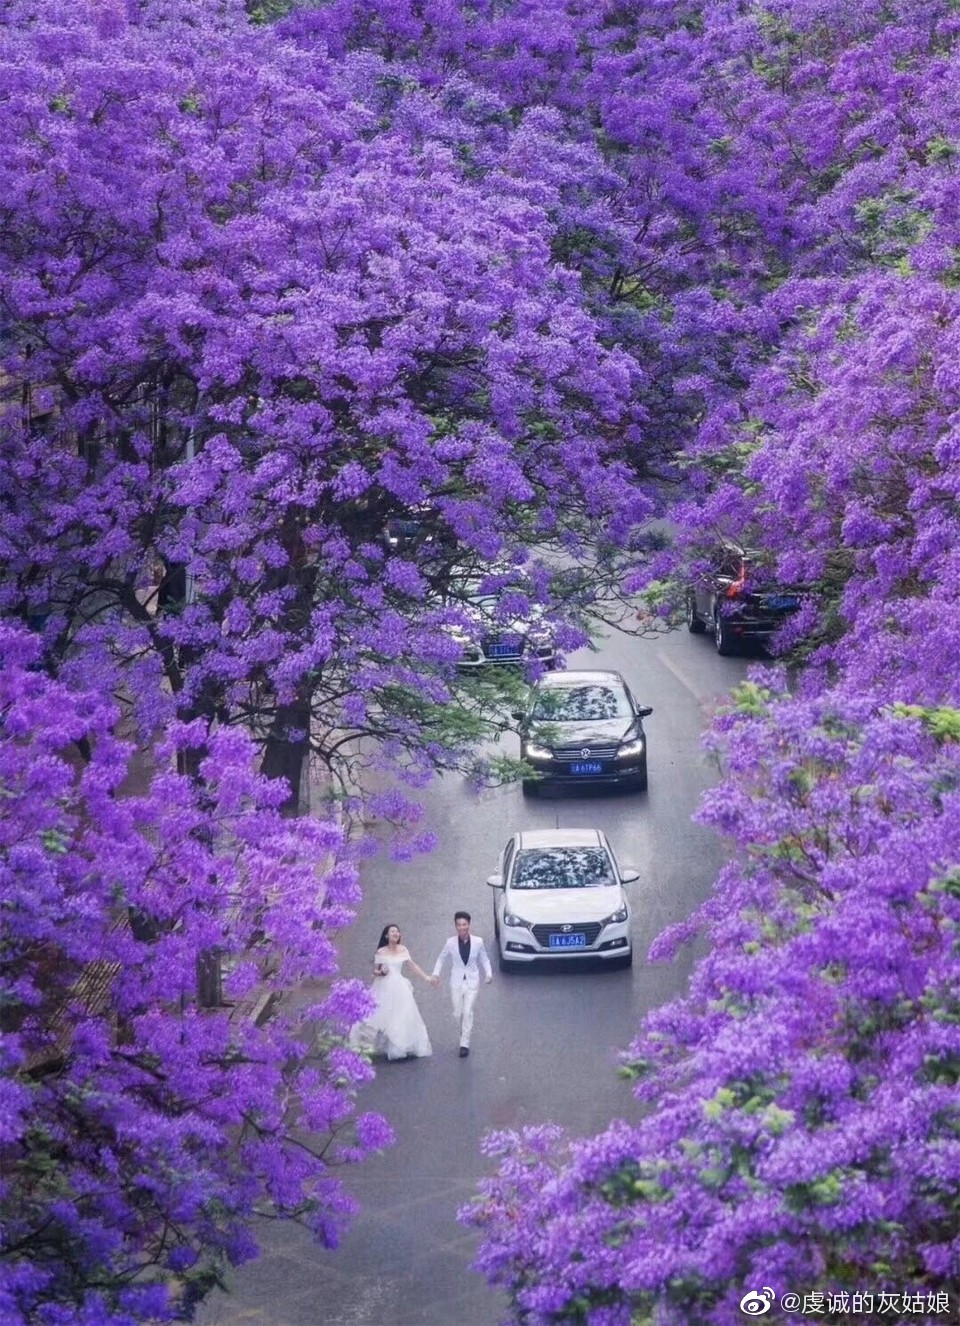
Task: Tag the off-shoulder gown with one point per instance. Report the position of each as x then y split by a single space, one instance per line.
395 1027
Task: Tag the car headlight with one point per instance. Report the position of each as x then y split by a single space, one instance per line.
538 752
511 919
631 748
616 918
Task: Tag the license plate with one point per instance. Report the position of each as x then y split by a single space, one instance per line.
503 651
568 941
779 602
586 767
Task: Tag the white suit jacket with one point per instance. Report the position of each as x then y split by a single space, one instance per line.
458 972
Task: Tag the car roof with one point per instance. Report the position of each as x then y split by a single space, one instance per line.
743 549
559 838
588 677
465 570
514 575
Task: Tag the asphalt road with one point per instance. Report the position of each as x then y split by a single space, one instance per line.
544 1043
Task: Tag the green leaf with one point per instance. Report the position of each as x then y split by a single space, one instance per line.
55 841
940 149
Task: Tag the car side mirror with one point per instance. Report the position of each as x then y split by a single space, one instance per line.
495 881
629 875
518 714
645 712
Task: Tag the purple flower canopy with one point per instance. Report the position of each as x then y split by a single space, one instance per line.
525 267
257 299
148 1128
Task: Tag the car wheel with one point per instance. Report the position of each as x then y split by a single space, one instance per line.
529 787
695 623
722 635
503 964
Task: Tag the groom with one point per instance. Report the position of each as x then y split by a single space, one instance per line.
467 955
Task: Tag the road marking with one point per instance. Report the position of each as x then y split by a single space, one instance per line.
681 676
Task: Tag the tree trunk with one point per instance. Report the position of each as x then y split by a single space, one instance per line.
284 757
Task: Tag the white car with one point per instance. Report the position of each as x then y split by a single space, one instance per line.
493 635
559 893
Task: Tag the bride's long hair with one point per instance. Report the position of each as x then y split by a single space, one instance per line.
385 932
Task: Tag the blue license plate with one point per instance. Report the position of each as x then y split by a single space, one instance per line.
568 941
586 767
780 602
504 651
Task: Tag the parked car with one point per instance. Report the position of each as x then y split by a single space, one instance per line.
560 894
503 624
420 530
402 532
738 600
583 728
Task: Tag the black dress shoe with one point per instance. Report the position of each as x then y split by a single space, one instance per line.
464 1051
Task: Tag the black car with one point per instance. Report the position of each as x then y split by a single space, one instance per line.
583 728
739 601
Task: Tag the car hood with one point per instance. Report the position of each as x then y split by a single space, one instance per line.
484 628
546 906
517 626
592 732
488 621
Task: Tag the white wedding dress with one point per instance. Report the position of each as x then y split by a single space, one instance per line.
395 1027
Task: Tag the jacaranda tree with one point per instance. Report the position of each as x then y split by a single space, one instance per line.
143 1132
254 303
275 313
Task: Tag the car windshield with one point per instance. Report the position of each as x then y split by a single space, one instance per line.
513 598
578 704
562 868
486 587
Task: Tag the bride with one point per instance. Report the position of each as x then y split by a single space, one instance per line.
395 1027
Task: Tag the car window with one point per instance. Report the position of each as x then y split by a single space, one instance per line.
729 565
755 566
576 704
507 859
562 868
484 587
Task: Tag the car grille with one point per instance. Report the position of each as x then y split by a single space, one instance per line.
571 753
542 933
